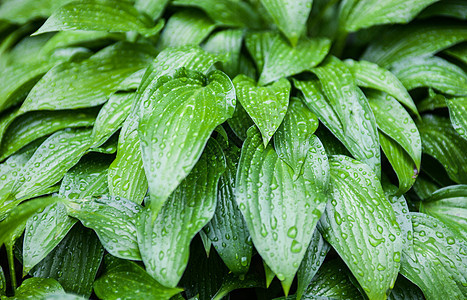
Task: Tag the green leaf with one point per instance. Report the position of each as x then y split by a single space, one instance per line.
32 126
226 12
365 14
187 27
439 264
2 282
281 226
170 129
458 114
114 221
19 216
111 116
258 45
442 142
227 229
414 40
433 72
283 60
6 119
37 288
361 225
370 75
125 279
290 16
405 290
267 105
344 110
52 160
227 43
449 205
164 242
74 262
240 121
293 139
268 274
233 282
87 83
459 52
100 15
314 258
26 10
447 8
152 8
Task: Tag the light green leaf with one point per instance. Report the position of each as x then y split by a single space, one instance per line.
125 279
283 60
290 16
6 119
449 205
361 225
74 262
280 226
32 126
165 241
240 121
21 11
111 116
258 45
439 264
114 221
268 274
100 15
87 83
226 12
458 114
368 13
314 258
446 8
405 290
37 288
227 229
152 8
433 72
267 105
442 142
187 27
370 75
344 110
52 160
172 136
227 43
293 139
414 40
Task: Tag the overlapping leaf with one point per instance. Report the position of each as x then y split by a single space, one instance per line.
458 114
26 10
37 288
228 43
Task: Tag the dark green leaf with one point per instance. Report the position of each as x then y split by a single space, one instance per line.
361 225
233 282
267 105
164 242
240 121
405 290
37 288
446 8
281 226
74 262
170 129
458 114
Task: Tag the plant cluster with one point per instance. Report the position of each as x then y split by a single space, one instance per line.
242 149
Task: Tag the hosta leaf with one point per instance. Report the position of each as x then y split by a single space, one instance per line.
227 229
87 83
32 126
446 8
227 43
374 12
265 105
154 9
233 282
290 16
344 110
442 142
281 213
283 60
439 264
111 116
433 72
449 205
165 241
258 45
361 225
294 137
432 101
37 288
52 160
25 10
370 75
6 119
314 258
414 40
74 262
125 279
172 137
458 114
226 12
186 27
459 52
405 290
240 121
113 219
100 15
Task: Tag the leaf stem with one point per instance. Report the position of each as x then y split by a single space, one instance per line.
11 264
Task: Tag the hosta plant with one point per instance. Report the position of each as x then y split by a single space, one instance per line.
237 149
